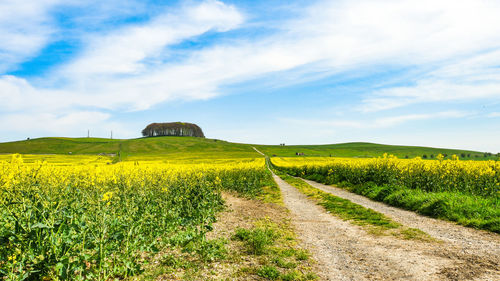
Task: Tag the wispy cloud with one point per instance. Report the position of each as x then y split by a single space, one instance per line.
473 78
138 49
376 123
125 68
25 28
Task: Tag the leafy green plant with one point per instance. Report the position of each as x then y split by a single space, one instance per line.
211 250
256 239
268 272
100 222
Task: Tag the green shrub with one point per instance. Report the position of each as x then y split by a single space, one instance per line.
256 239
268 272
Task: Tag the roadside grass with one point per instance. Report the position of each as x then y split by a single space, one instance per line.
271 193
274 246
468 210
374 222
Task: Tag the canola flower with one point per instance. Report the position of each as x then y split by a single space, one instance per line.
470 177
93 221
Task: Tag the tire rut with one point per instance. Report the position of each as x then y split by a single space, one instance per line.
347 252
471 241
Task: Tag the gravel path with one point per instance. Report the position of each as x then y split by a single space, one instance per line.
347 252
467 239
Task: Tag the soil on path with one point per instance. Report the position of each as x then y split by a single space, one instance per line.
347 252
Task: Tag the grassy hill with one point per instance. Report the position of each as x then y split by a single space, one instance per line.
143 148
189 147
364 149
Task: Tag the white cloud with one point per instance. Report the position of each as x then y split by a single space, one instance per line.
376 123
25 28
51 122
430 92
96 79
494 114
126 68
338 36
474 78
17 94
134 49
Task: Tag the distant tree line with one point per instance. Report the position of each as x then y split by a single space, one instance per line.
173 129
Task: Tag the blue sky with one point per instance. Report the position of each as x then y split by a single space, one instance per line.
299 72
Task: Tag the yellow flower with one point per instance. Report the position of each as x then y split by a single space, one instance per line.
107 196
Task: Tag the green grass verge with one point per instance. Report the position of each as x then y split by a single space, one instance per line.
375 222
271 192
275 246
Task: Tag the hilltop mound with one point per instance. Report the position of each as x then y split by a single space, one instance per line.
179 129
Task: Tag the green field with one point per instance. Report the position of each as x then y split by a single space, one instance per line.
178 148
364 149
155 148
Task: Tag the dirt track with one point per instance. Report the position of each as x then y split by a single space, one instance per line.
347 252
467 239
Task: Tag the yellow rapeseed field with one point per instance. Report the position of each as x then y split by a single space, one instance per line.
93 220
467 192
472 177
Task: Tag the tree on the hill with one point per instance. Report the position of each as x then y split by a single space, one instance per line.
173 129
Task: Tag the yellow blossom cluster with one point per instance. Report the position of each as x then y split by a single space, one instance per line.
473 177
95 219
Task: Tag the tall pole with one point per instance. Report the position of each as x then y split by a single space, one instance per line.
88 133
111 134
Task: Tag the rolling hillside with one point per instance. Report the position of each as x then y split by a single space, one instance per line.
363 149
171 147
190 147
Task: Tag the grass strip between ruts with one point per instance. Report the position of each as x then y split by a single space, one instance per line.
375 222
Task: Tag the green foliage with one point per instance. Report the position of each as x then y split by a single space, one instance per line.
275 247
290 276
474 178
268 272
281 262
73 232
211 250
302 255
257 239
173 129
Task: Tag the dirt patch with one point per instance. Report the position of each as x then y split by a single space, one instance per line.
239 263
469 267
242 213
